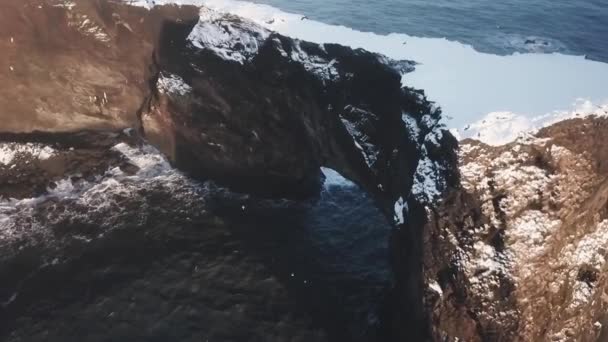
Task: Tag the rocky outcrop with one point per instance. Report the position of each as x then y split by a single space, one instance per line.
517 251
82 65
224 100
261 113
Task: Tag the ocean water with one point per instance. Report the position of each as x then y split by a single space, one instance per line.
498 27
496 70
157 256
331 251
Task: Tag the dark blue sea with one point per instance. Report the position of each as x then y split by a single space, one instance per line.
500 27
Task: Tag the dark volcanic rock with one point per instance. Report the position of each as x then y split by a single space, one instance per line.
276 109
265 121
261 113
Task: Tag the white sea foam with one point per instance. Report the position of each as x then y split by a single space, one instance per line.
104 195
334 178
468 85
10 151
503 127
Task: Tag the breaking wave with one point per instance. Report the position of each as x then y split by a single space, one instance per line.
103 202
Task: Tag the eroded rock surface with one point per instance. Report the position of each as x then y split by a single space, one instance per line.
76 65
517 252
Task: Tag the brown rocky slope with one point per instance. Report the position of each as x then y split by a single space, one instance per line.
252 110
517 251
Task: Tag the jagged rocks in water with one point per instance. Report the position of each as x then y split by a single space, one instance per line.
517 252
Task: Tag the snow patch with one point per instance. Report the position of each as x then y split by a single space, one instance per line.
435 287
66 4
172 84
368 150
325 70
588 253
87 27
428 181
500 128
412 126
229 37
400 208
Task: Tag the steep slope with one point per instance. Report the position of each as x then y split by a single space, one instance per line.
69 66
517 252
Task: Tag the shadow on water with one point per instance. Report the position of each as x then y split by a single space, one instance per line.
221 268
331 254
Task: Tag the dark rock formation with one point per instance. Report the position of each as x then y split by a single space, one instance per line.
261 113
265 122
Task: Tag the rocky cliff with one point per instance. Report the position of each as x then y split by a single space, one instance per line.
91 83
517 251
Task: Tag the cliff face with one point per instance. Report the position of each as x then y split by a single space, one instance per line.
517 252
225 100
76 65
262 112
